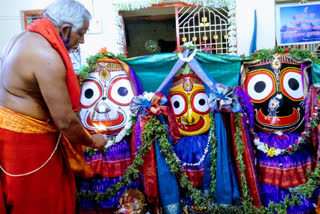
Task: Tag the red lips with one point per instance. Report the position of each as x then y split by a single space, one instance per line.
191 128
108 124
278 121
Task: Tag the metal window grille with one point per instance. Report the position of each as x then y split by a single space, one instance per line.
205 27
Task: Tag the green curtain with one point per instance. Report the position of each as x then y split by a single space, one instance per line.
316 74
153 69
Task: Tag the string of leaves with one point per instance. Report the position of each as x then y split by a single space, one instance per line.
213 156
90 152
247 199
303 191
154 130
130 173
203 201
267 54
92 60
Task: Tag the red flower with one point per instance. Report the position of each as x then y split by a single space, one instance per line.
103 50
286 50
289 148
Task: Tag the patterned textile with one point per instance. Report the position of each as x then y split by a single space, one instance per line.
25 145
195 145
278 114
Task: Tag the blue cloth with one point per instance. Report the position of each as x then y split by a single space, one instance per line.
227 190
168 185
253 45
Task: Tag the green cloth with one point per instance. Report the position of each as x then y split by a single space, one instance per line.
153 69
316 74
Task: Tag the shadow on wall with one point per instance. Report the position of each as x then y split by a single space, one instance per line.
141 33
167 46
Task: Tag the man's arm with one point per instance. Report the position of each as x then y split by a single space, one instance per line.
50 74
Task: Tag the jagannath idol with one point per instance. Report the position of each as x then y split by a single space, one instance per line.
278 91
105 107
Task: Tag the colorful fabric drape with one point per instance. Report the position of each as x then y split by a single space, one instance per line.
25 145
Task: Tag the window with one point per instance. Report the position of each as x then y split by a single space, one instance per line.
30 16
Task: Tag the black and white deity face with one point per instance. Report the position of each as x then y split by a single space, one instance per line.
105 98
277 91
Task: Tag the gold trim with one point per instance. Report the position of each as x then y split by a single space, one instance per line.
17 122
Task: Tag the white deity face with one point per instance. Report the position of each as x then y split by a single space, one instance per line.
105 98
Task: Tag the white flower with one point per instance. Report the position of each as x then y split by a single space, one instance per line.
148 95
262 148
277 151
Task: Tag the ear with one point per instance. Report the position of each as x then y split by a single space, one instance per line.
65 30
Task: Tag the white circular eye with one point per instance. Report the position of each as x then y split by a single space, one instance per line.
120 91
179 104
292 85
200 103
90 93
260 86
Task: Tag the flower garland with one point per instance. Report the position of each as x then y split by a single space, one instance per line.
114 139
213 167
131 173
92 60
127 129
130 5
155 130
205 151
189 58
291 149
202 157
203 201
272 151
232 29
267 54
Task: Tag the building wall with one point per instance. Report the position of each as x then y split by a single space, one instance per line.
106 33
11 23
265 10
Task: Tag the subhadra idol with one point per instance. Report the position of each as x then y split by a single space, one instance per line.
188 99
105 108
189 102
278 89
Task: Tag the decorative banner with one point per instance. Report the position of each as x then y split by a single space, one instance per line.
298 24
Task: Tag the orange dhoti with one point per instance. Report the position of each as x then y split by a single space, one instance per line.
45 183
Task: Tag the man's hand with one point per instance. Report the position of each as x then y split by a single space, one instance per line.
99 141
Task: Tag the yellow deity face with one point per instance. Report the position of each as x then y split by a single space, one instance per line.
189 102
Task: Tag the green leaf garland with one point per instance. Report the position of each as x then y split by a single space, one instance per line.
154 130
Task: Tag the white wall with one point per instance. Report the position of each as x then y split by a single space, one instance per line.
11 23
104 12
11 20
265 24
107 36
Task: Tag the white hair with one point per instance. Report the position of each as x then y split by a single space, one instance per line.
67 11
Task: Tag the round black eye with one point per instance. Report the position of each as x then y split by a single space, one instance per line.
202 102
293 84
176 104
259 86
122 91
88 93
